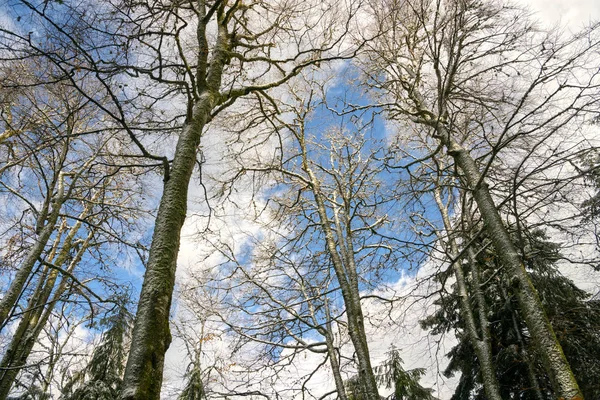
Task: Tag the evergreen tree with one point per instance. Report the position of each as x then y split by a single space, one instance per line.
29 393
405 383
194 386
574 317
591 206
101 379
391 375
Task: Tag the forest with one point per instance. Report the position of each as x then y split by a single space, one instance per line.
298 199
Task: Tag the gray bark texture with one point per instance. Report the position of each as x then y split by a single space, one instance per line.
542 334
333 357
345 270
480 342
151 334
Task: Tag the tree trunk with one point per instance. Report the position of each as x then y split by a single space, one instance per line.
11 297
333 357
345 271
480 343
542 334
151 334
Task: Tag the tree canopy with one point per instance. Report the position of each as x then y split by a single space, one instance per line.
284 199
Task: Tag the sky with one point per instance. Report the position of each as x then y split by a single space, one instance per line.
572 13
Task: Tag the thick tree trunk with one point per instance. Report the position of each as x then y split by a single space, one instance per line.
542 334
480 342
151 335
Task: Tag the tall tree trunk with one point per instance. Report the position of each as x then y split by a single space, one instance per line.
542 334
333 356
151 334
345 271
480 342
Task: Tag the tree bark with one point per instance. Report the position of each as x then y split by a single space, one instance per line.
542 334
333 356
480 343
151 334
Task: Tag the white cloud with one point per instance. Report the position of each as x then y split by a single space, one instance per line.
573 13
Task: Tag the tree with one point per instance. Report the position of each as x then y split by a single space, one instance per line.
455 69
474 313
520 373
405 383
102 377
283 303
57 351
194 387
487 101
591 205
391 374
197 326
325 234
60 151
354 390
58 191
31 393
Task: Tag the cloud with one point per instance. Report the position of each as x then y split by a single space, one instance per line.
573 14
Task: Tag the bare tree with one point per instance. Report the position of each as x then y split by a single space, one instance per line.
330 235
477 325
283 302
72 205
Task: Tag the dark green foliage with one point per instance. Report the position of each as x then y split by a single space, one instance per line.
101 379
574 317
591 207
405 383
194 387
32 392
391 375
